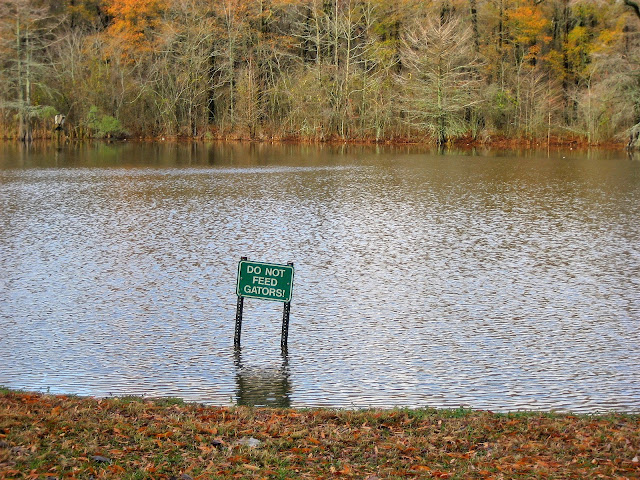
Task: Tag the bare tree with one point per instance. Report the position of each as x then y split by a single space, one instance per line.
24 35
440 84
181 71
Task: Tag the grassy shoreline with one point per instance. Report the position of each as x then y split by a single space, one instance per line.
57 436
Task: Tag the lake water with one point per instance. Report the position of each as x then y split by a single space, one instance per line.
502 281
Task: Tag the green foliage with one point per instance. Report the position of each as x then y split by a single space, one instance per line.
168 401
47 112
131 399
103 125
500 108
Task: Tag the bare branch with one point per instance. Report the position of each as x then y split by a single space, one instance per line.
634 6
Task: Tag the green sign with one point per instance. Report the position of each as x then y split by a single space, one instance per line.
267 281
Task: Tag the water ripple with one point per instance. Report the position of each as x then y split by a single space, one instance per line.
496 282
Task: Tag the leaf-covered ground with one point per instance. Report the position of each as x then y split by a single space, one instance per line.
48 437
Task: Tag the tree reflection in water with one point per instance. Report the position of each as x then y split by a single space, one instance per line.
260 386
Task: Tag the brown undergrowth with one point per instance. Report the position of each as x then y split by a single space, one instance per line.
48 437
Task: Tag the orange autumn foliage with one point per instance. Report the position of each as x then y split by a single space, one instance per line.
133 23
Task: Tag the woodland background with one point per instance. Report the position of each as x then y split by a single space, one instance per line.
316 70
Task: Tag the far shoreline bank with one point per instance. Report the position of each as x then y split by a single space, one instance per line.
463 143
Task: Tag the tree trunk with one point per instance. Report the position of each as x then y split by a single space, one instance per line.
566 67
634 137
473 4
21 126
27 92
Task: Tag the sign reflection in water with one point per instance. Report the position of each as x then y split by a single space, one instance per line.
260 386
501 281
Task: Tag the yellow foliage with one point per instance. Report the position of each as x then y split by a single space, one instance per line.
608 38
527 25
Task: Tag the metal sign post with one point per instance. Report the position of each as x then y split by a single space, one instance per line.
266 281
285 324
239 306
